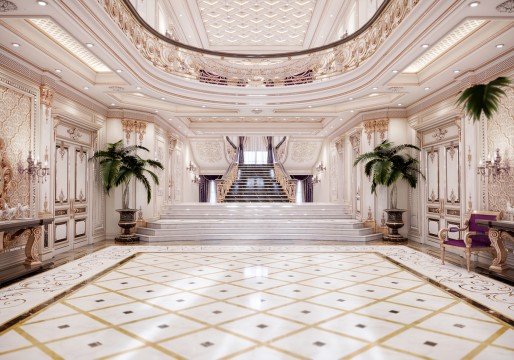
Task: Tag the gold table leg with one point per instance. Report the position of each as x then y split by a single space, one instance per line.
32 247
497 238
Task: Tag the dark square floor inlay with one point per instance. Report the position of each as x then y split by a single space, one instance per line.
180 300
99 300
297 290
262 326
223 291
341 300
149 291
369 290
128 312
95 344
217 312
124 283
163 326
318 343
207 344
460 326
394 311
420 300
430 343
63 326
306 312
360 326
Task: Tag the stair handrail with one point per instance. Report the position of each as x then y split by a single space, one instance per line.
224 184
287 183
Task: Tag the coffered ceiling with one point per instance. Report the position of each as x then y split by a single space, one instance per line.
256 23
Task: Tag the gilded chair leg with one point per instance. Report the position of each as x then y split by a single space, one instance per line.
443 253
468 260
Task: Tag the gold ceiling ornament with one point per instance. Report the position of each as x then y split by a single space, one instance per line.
258 70
46 95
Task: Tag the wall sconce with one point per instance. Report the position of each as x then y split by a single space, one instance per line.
195 180
191 168
493 166
320 167
316 179
35 170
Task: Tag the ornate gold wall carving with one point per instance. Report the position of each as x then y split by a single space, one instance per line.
15 127
134 126
500 134
376 126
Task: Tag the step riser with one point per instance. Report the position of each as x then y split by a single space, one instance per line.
157 226
255 231
277 237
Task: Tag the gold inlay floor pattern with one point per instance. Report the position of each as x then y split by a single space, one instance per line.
259 306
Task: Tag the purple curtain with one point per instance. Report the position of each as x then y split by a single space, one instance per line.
308 187
240 150
203 188
270 149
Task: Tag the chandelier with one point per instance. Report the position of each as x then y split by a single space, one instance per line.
493 166
35 170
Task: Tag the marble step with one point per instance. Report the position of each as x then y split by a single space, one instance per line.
207 236
236 224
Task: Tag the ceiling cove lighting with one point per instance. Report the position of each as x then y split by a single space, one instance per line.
16 45
58 71
445 44
61 37
499 46
90 45
474 4
42 3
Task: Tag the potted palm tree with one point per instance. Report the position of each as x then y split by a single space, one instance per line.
119 165
385 166
483 98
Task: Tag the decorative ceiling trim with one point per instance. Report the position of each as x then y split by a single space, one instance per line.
323 62
506 6
6 6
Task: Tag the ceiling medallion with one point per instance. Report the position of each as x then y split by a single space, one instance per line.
6 6
507 6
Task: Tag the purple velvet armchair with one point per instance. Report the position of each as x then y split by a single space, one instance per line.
472 237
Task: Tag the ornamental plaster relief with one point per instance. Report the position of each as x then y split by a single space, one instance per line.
500 134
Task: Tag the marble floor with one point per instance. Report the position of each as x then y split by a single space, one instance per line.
255 303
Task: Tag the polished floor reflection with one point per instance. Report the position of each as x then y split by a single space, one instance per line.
259 306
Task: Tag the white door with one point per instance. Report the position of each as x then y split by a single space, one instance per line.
443 202
71 198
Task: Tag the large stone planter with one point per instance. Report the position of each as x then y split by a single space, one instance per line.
127 222
394 222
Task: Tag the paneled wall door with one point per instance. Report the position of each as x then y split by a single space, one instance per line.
71 195
443 195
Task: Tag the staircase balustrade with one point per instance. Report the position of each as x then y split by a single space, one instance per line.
287 183
223 185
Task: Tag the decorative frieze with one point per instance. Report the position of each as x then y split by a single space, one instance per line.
6 6
379 127
134 126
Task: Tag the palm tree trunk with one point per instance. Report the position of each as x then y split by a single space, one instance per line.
394 196
125 195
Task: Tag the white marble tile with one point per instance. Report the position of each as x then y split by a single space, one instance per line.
466 310
496 353
179 301
291 276
216 312
422 300
207 344
50 312
259 283
318 344
260 301
432 345
506 339
394 312
305 312
262 327
191 283
124 283
99 301
149 291
382 353
263 353
54 329
223 291
162 327
370 291
363 327
460 326
87 290
125 313
146 353
29 353
11 340
297 291
100 343
341 301
328 283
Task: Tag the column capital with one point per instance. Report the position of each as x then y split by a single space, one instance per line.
46 95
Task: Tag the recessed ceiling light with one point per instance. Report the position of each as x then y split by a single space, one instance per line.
499 46
456 71
156 111
118 70
86 87
427 88
163 98
58 71
474 4
424 46
351 111
89 45
42 3
138 88
395 71
400 104
350 99
309 106
375 88
113 104
203 106
16 45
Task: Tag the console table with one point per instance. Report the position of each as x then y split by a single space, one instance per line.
499 232
10 230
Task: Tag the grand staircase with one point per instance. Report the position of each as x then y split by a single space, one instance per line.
253 221
256 183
